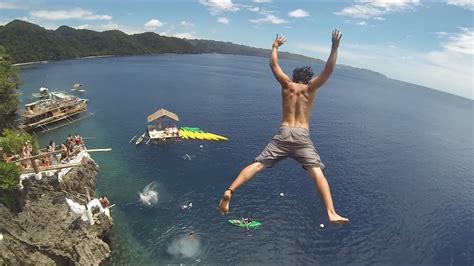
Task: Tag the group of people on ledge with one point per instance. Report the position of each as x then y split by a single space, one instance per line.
53 154
68 149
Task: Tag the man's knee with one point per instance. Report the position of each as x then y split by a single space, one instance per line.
315 171
258 166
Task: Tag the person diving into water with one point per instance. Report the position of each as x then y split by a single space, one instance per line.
293 140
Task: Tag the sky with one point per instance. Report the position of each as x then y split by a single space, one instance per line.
429 43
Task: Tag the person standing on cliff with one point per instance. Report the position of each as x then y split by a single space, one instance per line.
293 140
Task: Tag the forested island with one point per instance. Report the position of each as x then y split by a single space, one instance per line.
28 42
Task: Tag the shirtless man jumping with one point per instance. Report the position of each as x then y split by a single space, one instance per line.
292 140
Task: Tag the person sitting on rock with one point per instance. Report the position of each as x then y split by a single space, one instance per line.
104 202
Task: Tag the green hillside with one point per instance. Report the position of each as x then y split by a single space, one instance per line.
27 42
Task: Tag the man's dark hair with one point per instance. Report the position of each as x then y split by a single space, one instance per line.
303 74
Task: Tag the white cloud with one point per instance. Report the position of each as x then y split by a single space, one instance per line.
116 26
262 1
75 13
360 11
391 4
219 6
82 27
172 33
462 42
362 23
298 13
152 25
268 19
467 4
448 68
185 35
185 23
375 9
9 6
441 34
254 9
223 20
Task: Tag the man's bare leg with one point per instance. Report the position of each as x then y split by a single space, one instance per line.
322 186
245 175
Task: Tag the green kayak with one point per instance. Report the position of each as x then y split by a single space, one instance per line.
240 222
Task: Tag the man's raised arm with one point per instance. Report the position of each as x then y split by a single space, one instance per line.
330 63
276 69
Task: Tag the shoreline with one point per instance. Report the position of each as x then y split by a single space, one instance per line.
30 63
95 56
46 61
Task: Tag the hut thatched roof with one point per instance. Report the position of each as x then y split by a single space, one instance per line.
162 113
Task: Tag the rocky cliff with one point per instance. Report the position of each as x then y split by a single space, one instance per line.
45 231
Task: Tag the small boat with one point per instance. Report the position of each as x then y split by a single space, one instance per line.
140 139
42 94
77 87
244 223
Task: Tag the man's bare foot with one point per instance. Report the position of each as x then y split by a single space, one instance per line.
337 219
224 203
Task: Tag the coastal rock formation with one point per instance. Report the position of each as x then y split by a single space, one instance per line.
45 231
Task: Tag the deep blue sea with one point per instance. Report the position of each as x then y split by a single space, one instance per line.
399 159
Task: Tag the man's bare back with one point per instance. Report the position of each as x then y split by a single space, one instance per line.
293 139
297 103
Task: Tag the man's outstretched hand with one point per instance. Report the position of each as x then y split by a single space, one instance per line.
336 37
279 41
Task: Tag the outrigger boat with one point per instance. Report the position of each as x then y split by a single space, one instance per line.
42 94
77 87
140 139
51 108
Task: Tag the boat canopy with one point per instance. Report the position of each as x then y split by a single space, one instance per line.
162 113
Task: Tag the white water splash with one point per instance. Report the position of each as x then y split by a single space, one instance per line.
149 195
184 247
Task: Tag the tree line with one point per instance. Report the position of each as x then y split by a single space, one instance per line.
28 42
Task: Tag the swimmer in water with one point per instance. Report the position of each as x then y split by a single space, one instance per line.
191 235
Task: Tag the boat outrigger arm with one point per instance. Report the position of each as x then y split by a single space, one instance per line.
69 120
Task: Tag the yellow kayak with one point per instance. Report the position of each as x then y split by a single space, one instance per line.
199 135
191 134
219 137
211 136
206 136
183 134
